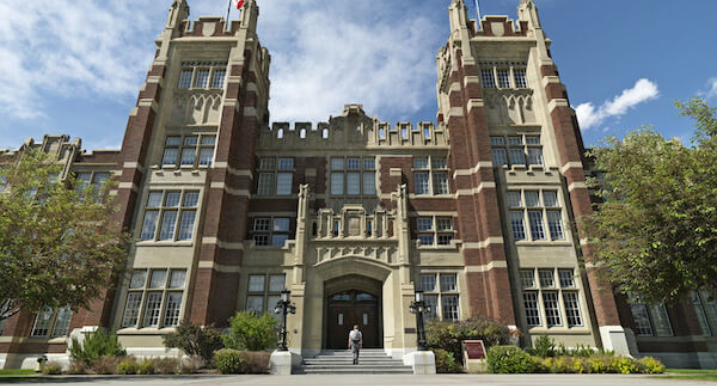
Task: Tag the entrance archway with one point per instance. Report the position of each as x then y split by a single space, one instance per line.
353 300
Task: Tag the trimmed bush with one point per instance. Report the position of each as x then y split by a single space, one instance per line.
195 340
96 344
147 367
650 365
449 335
600 364
228 361
568 365
625 365
52 368
251 333
445 362
511 360
128 366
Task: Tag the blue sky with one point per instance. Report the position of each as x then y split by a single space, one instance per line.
75 66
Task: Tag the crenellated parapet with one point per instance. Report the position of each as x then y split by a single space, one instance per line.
353 128
209 26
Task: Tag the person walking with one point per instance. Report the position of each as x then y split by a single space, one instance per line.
355 342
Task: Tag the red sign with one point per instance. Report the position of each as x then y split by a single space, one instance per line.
474 349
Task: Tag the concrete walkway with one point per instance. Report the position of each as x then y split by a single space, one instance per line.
383 380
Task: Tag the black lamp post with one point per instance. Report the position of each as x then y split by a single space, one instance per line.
419 307
284 307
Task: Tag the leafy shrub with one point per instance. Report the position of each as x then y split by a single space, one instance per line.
128 366
195 340
191 365
650 365
600 364
96 344
255 362
565 364
147 367
104 365
625 365
445 362
250 332
544 347
228 361
52 368
511 360
448 335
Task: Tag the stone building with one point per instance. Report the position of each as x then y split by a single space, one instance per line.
354 215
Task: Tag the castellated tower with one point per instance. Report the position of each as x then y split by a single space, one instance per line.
352 215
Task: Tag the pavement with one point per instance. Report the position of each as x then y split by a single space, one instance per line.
378 380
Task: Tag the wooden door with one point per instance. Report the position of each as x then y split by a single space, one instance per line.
347 309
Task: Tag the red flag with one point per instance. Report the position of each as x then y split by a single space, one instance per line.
238 3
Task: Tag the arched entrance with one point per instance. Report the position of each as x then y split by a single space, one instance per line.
353 300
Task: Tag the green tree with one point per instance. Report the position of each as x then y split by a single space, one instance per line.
655 232
58 245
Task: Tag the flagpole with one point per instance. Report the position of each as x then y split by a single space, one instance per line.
229 8
478 13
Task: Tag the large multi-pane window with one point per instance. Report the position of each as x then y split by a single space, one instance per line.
441 292
650 319
263 292
517 150
548 301
97 180
169 215
507 76
353 176
195 150
52 323
270 231
430 175
538 211
435 230
706 310
276 176
154 298
202 75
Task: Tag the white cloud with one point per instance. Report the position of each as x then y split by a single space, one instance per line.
643 91
711 90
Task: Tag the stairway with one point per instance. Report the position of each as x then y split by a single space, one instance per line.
371 361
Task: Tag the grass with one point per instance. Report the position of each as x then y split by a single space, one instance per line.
691 375
16 372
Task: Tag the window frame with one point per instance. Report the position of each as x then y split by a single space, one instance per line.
440 294
436 233
434 166
509 150
256 233
213 69
272 170
571 312
266 293
551 231
146 290
162 209
364 167
196 149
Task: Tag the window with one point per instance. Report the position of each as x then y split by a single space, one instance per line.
204 75
169 216
536 211
96 180
517 150
156 302
520 78
706 309
487 78
503 71
650 319
270 232
277 173
52 323
189 151
430 175
434 231
353 176
549 300
444 300
263 292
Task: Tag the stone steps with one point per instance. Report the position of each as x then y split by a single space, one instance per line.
371 361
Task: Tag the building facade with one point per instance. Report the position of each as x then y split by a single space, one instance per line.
354 215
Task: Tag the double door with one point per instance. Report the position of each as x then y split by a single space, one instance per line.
351 308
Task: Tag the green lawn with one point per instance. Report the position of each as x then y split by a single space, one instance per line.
693 375
16 372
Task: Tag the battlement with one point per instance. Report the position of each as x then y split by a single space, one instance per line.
209 26
499 26
353 128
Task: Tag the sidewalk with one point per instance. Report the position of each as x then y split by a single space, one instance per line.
376 380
